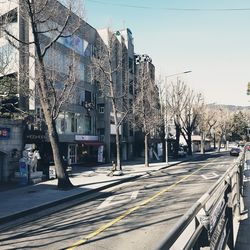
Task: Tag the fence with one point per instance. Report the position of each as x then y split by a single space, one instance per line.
210 221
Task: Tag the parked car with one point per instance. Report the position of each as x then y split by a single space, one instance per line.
235 151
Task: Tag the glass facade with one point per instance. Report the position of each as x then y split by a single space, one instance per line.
74 123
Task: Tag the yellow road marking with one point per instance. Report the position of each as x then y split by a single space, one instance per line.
129 211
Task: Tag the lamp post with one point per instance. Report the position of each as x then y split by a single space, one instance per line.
166 131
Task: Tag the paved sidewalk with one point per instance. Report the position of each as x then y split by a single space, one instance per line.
17 202
243 239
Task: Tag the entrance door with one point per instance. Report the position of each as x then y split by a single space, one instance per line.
72 153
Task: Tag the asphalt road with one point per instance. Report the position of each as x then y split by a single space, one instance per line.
135 215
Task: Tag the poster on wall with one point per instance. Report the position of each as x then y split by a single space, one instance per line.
100 154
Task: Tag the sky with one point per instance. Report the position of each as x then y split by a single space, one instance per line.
210 38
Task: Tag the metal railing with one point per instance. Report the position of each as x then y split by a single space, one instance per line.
209 222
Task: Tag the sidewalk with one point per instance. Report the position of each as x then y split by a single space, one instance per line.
25 200
243 239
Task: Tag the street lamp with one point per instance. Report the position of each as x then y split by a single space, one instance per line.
165 114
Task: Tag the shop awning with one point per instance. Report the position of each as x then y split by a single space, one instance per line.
93 143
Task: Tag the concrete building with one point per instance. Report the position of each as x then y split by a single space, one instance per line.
145 73
124 81
76 123
85 123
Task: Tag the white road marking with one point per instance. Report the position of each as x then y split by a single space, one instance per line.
108 201
209 176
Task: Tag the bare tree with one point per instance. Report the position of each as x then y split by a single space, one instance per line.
47 21
108 66
189 116
146 106
224 124
177 100
206 121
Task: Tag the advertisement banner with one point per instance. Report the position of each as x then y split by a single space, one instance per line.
100 153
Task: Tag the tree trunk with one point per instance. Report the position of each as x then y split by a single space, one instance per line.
63 179
177 141
146 150
117 137
118 156
202 143
189 144
219 143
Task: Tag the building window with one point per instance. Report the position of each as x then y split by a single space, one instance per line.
6 19
82 98
131 87
81 71
87 125
87 96
9 17
101 108
101 133
130 64
73 124
131 131
7 55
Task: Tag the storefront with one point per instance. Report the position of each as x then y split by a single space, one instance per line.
11 132
88 150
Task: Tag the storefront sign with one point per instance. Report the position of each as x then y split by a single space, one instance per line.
4 133
86 138
34 136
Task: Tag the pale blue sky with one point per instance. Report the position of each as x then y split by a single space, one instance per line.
213 43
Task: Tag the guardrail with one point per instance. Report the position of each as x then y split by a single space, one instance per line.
209 222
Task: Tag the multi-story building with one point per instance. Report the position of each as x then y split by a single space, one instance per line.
125 82
76 123
85 123
144 70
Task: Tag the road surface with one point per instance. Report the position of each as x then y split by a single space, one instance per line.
135 215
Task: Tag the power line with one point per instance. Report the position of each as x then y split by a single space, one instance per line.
169 9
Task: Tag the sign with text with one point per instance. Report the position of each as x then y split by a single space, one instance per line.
34 136
4 133
86 138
